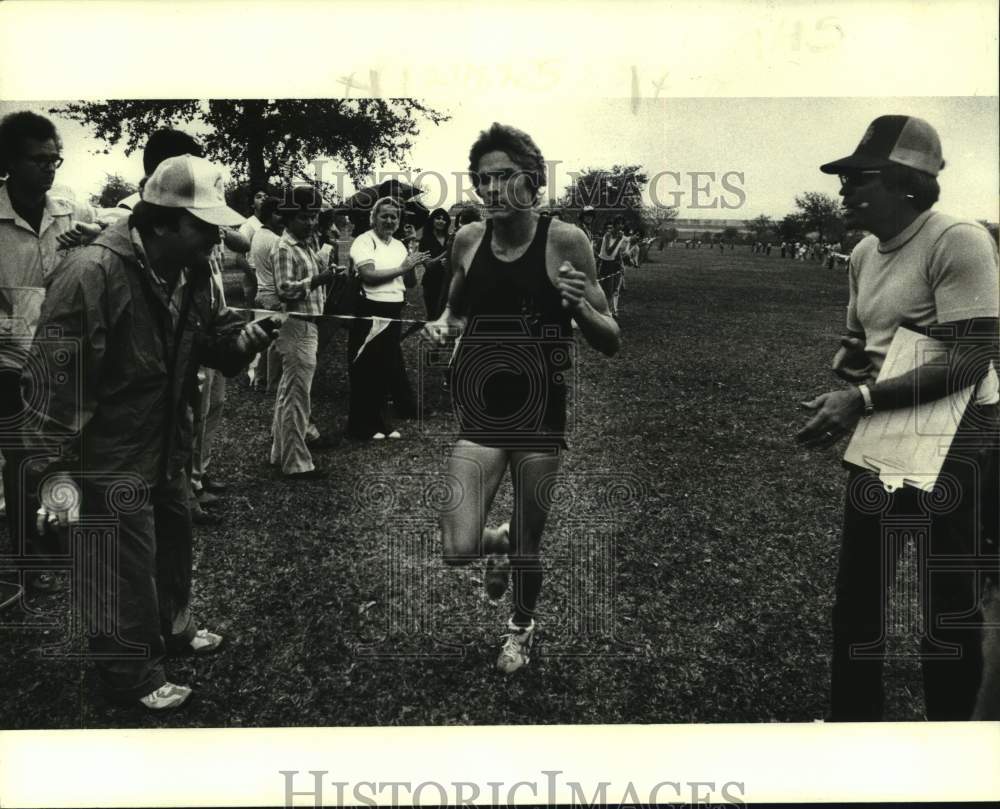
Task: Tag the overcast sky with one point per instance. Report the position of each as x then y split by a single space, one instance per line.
770 148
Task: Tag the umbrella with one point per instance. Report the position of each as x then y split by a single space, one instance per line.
358 206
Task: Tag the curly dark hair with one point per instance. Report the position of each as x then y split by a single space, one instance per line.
18 126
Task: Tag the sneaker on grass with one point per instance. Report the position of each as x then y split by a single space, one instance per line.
516 649
167 697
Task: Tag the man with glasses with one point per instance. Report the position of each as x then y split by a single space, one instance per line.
31 221
938 275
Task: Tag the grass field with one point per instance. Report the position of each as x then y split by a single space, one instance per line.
690 554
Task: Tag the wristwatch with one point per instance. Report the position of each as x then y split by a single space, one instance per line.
866 394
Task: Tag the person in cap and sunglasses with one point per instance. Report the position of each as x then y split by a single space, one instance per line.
136 314
938 275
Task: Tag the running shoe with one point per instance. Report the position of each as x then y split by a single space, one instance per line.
516 649
167 697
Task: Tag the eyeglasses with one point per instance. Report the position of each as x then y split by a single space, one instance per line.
45 161
859 177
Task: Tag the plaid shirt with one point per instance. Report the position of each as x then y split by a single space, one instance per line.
295 264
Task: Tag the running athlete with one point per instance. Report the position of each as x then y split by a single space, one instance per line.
519 280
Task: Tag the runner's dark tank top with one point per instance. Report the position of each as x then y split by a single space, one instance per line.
509 375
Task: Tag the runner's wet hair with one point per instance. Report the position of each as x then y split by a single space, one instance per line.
517 145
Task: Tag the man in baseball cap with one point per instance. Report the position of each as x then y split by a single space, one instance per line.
136 313
194 184
937 275
900 140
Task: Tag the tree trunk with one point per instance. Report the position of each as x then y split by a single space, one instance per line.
256 169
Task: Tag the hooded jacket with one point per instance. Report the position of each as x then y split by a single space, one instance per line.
110 379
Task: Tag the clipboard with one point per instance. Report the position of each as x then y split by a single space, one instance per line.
907 446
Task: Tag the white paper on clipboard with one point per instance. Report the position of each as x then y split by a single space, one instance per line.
907 446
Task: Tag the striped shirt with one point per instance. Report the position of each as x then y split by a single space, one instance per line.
295 264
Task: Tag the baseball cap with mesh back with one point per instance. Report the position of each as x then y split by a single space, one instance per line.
900 139
192 183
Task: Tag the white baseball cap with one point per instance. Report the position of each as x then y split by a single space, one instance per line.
194 184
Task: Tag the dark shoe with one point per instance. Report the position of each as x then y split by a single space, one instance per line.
312 474
212 485
201 517
206 498
321 443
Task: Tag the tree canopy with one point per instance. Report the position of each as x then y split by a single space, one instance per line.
820 213
270 141
762 228
114 190
611 192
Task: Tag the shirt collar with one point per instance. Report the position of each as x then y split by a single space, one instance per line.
906 234
54 206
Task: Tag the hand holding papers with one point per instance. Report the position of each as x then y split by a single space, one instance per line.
907 446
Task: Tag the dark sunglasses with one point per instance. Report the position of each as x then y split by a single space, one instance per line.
859 177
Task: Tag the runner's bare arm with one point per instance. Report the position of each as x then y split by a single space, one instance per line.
569 251
451 323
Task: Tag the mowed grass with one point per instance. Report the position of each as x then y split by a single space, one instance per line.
690 554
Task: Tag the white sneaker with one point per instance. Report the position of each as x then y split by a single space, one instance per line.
395 434
516 649
378 437
167 697
205 642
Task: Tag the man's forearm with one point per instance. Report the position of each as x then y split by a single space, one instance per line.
600 330
968 359
928 383
374 277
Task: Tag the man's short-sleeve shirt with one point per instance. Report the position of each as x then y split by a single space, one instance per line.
368 247
938 270
248 230
262 260
27 259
